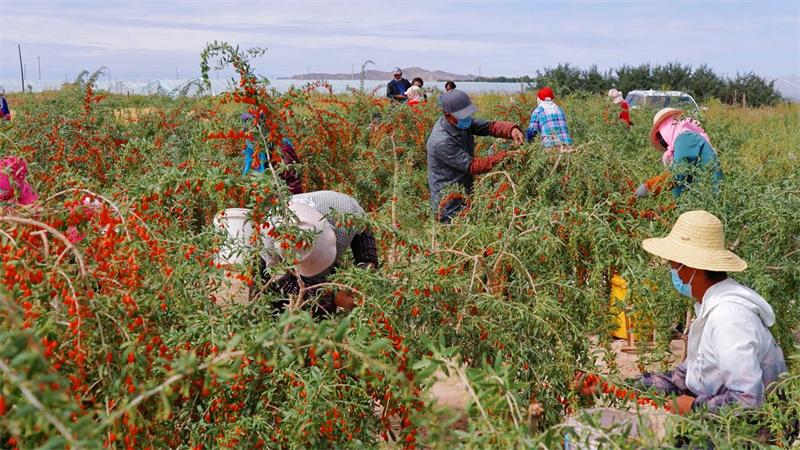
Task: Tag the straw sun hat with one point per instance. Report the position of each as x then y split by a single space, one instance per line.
697 241
660 117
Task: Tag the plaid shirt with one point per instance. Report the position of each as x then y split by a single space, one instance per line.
361 244
551 125
674 383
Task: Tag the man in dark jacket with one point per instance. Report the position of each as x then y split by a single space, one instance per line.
396 89
451 150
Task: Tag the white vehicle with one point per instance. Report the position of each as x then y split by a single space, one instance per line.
661 99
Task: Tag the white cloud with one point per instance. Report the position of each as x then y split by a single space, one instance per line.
515 37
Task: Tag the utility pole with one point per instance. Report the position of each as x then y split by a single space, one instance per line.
21 70
176 73
39 59
352 71
479 73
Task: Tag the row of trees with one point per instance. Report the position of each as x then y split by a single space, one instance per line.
702 83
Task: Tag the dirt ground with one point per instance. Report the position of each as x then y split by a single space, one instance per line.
452 392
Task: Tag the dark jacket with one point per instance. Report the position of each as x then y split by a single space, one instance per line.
450 154
397 87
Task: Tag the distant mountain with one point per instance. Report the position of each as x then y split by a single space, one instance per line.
409 73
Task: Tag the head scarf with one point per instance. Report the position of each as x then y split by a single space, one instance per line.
549 106
671 128
413 93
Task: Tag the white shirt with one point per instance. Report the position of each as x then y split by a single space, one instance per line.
731 353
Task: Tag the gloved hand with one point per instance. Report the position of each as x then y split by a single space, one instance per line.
641 191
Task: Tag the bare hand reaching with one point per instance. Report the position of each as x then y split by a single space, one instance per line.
584 384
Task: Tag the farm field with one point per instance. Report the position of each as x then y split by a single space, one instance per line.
133 337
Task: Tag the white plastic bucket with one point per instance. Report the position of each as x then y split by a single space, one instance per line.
233 222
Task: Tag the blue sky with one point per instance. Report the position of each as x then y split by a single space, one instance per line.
139 40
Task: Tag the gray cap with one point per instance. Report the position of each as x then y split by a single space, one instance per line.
397 71
458 104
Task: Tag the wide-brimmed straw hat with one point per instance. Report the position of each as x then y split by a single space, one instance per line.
660 117
321 253
697 241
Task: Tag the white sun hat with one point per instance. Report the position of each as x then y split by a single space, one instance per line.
318 255
698 241
615 95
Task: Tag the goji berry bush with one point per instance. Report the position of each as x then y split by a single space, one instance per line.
119 329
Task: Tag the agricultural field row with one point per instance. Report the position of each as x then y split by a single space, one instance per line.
129 337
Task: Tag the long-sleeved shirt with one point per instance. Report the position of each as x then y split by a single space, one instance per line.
397 87
549 121
625 115
451 152
732 357
361 242
692 156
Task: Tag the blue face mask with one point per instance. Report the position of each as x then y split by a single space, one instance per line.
463 124
680 286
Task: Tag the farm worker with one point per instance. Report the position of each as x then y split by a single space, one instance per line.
414 95
5 113
417 81
288 156
397 88
548 121
318 261
451 150
731 354
686 149
618 99
449 86
14 188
